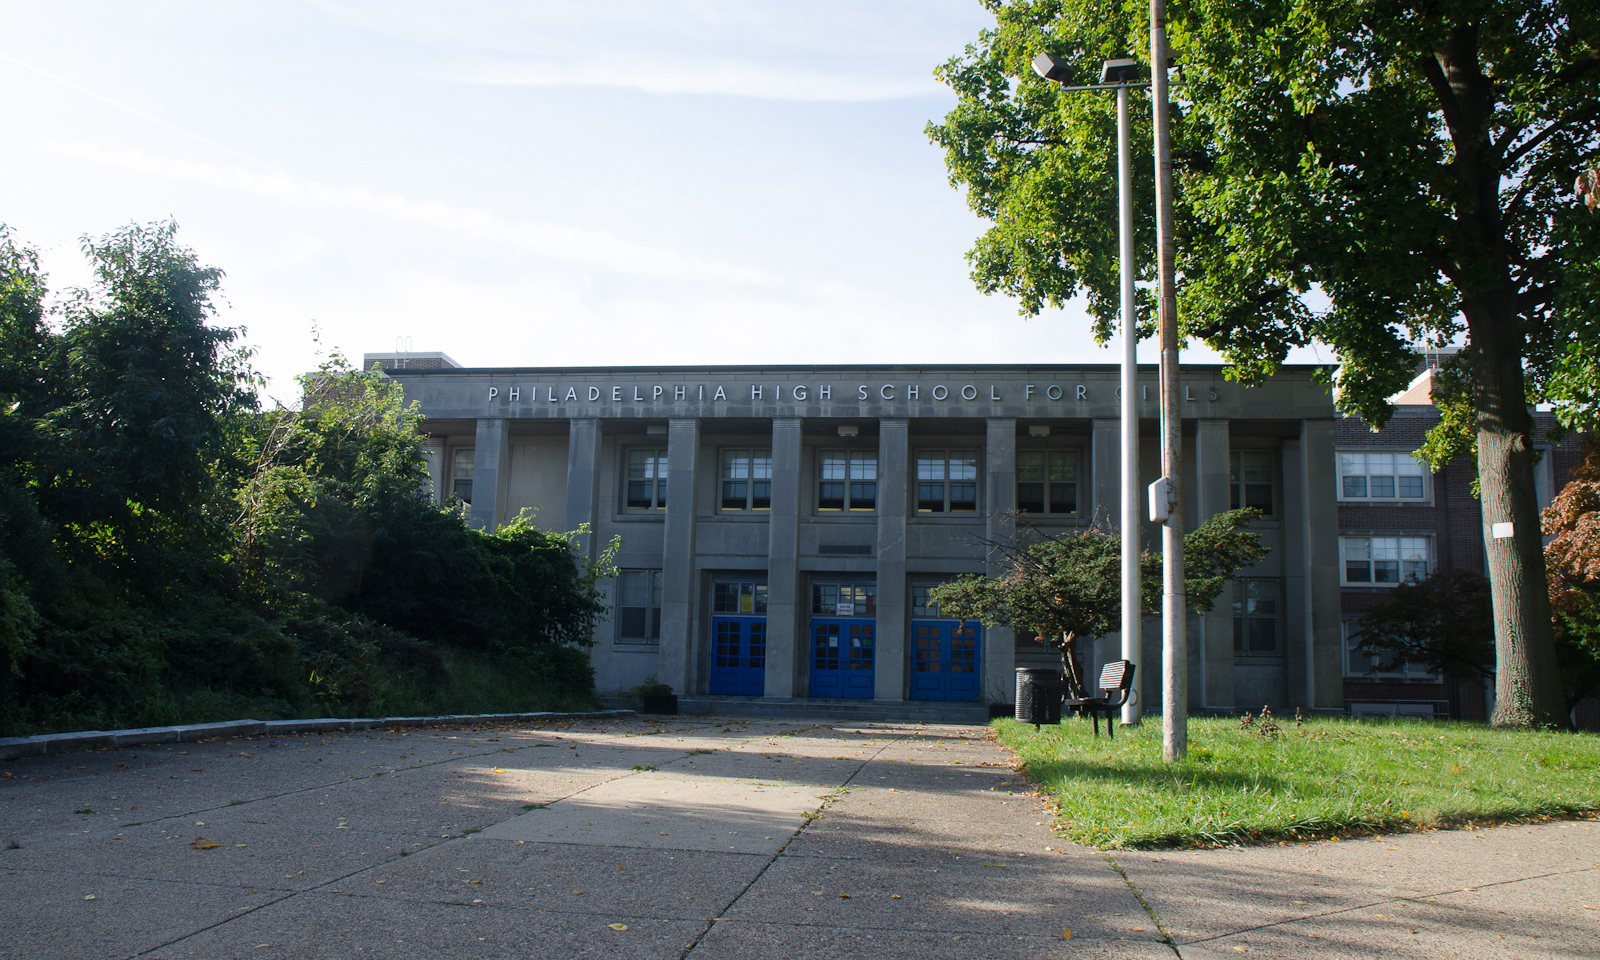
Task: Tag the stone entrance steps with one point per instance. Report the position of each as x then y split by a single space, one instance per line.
932 711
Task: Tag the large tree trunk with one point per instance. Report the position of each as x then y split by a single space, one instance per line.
1527 680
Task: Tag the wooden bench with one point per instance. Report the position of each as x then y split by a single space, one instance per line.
1116 682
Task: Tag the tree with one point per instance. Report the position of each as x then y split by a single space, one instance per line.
1573 559
338 507
1408 162
1443 622
1069 587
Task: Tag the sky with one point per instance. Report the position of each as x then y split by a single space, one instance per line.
543 183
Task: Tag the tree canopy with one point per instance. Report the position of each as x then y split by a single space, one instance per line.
1366 175
169 551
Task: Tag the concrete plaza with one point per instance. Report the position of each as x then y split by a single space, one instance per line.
701 838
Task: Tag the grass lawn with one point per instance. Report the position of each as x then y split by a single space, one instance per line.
1329 777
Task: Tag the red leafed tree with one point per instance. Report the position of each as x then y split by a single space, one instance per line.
1572 560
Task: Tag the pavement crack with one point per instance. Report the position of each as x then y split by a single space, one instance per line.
1381 901
808 821
1166 935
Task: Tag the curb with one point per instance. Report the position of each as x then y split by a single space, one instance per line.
52 743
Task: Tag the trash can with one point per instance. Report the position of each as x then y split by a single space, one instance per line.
1038 696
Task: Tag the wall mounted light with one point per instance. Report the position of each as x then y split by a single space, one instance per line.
1039 430
849 431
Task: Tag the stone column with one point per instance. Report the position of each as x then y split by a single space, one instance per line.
1324 678
583 480
677 665
1000 643
433 455
894 485
783 560
491 470
1297 630
1106 514
1212 497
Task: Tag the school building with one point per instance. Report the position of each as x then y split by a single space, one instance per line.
780 526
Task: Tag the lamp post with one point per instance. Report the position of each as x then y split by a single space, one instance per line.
1120 75
1174 599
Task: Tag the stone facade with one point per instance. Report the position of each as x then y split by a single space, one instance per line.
788 489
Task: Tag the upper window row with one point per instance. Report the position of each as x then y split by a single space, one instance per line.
946 481
1381 476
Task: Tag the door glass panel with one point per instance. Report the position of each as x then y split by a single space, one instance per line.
758 646
825 649
860 654
727 644
928 653
964 649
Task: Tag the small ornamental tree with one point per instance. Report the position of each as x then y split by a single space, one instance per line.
1445 622
1067 588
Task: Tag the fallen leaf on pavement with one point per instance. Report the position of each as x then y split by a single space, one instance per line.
1066 933
201 843
617 926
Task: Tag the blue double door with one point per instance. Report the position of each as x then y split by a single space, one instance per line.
739 656
843 657
944 659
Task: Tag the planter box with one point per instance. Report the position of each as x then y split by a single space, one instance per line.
659 703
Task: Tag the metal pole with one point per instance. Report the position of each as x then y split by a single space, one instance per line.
1174 610
1131 599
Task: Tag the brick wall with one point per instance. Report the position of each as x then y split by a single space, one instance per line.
1454 518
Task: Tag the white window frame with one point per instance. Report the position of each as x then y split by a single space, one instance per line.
856 477
945 456
1403 544
1346 468
1072 456
652 624
1238 494
1243 610
657 497
457 476
747 466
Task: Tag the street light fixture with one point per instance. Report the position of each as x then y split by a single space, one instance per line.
1120 75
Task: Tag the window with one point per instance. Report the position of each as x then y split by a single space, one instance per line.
844 599
1358 663
747 480
1047 482
947 483
1385 560
742 597
647 480
1255 617
461 475
1250 480
1381 476
639 606
849 480
921 604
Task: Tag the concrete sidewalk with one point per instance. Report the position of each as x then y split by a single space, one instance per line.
703 837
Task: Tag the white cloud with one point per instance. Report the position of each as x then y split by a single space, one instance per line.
557 241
